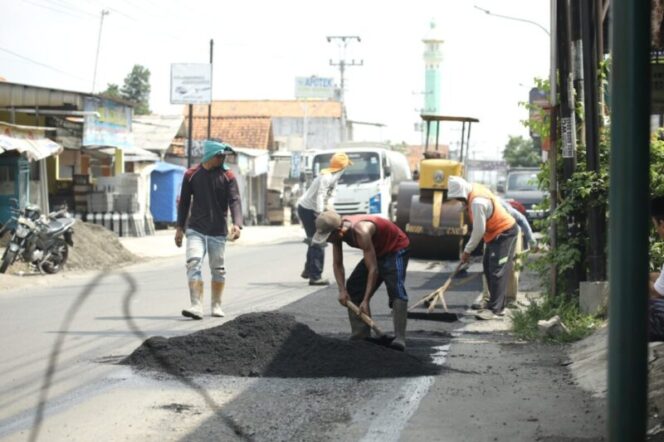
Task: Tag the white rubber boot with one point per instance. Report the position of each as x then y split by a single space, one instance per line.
359 330
217 291
399 319
196 297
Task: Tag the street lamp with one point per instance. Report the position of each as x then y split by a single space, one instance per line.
486 11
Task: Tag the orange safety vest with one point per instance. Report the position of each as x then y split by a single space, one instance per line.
499 221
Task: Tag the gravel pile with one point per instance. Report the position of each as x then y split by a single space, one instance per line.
273 345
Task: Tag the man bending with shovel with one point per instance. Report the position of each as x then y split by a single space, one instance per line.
385 249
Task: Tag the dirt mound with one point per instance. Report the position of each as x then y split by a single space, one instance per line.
96 247
273 345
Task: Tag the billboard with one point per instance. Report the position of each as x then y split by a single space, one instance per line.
106 123
314 87
191 83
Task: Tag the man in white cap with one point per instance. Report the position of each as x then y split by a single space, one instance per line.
491 222
385 248
210 190
317 198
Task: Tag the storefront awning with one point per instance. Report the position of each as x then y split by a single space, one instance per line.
29 141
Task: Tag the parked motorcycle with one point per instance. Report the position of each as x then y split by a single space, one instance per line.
41 240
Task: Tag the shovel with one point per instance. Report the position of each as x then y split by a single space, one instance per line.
381 338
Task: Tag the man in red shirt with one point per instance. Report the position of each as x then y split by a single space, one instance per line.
385 249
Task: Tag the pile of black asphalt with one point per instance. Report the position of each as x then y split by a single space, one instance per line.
273 344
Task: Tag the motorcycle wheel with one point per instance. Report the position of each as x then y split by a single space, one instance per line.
57 259
7 259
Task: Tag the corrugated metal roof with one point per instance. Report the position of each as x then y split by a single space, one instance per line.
29 141
155 132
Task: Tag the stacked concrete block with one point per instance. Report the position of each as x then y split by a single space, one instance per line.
100 202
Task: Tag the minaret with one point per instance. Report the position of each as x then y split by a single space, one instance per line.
432 58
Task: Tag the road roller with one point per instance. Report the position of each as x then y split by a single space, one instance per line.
437 227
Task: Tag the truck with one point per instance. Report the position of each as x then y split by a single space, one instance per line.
521 185
370 184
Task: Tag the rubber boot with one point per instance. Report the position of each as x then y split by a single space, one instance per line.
399 319
217 291
196 296
359 330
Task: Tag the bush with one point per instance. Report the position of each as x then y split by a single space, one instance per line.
579 324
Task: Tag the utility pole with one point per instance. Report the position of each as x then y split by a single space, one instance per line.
104 12
567 116
596 217
209 125
342 42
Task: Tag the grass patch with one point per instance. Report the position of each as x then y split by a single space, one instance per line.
579 324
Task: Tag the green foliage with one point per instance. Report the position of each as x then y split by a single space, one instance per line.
656 189
136 89
578 324
112 91
520 152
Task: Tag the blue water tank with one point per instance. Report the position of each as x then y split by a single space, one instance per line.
166 182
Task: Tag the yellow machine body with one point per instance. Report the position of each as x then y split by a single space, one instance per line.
434 173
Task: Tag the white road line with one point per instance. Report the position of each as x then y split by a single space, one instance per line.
388 424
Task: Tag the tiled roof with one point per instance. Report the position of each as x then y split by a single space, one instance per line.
254 132
270 108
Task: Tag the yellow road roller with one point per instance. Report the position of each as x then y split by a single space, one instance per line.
437 227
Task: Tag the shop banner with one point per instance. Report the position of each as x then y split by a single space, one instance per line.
110 126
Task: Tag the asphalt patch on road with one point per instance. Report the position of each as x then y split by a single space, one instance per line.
274 344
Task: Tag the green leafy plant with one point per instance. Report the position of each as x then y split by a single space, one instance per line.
579 325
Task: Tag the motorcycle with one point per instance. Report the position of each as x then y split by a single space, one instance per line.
40 240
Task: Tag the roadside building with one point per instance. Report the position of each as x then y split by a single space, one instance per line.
297 125
96 145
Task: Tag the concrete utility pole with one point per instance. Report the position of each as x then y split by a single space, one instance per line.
342 42
104 12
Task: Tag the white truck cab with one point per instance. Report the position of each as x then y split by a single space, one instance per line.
369 185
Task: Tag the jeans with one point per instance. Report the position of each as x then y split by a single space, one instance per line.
391 270
198 245
313 266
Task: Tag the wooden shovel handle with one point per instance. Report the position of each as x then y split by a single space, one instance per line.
363 316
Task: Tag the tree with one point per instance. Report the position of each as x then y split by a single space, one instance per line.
520 152
112 91
136 89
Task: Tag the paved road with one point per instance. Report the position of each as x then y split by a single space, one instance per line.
89 397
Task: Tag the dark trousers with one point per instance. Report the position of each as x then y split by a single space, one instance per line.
498 263
655 319
313 266
391 270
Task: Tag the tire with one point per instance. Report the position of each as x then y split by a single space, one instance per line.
58 258
7 259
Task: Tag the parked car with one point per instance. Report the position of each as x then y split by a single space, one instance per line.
521 185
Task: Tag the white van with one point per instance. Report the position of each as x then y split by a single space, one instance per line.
370 184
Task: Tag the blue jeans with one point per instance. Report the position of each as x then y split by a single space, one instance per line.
198 245
391 270
313 266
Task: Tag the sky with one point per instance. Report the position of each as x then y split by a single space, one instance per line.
260 46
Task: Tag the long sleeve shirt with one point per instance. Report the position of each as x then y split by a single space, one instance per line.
482 210
521 220
320 193
205 200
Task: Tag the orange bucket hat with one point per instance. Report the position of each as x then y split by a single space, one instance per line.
339 161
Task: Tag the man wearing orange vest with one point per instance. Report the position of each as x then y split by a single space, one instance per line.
491 222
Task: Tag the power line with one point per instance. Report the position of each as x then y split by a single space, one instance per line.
60 11
40 64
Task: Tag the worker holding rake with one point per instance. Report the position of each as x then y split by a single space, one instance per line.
499 230
385 248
